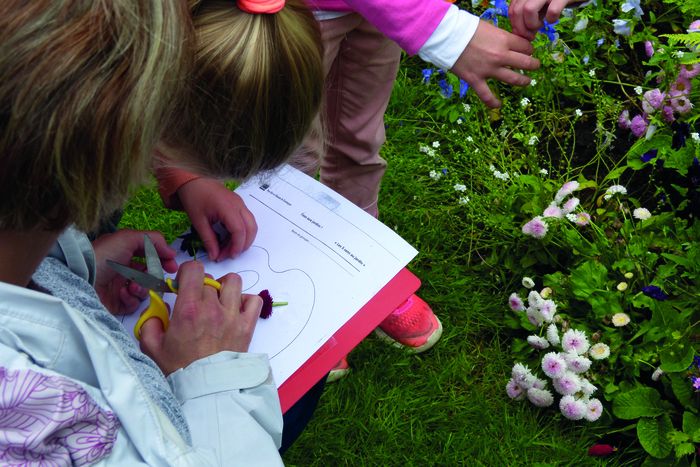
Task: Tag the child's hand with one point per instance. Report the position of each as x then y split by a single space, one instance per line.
203 321
526 16
116 293
494 53
206 202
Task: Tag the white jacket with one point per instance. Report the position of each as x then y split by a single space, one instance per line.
229 400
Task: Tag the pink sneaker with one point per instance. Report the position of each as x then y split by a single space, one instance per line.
340 370
412 325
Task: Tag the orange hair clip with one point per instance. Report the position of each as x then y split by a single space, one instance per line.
260 6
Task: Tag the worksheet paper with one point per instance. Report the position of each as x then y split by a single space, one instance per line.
315 250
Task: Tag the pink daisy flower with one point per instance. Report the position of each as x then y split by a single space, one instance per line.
570 205
624 120
515 302
575 341
547 309
638 126
694 26
537 342
571 186
553 211
567 384
679 87
681 104
571 408
540 397
578 364
537 228
689 71
594 409
667 114
653 100
553 365
514 391
583 219
649 48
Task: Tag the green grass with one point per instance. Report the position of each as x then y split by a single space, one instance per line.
447 406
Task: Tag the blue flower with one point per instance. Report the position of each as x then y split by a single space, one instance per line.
490 14
649 155
445 88
585 59
681 131
501 7
630 5
549 31
600 42
444 171
463 88
427 73
622 27
654 292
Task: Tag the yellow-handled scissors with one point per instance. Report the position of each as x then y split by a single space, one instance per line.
153 280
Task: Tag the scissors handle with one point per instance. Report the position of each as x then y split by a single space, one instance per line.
158 309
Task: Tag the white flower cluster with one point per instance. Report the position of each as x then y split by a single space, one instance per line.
567 367
614 190
498 174
427 150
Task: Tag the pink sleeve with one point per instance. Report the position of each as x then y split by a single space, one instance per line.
408 22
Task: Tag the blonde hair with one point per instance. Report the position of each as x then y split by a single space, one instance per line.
256 88
85 87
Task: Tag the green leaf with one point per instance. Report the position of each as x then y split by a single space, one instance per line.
691 425
684 449
587 278
653 435
639 402
678 357
682 391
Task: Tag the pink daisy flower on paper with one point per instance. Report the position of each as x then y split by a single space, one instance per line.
638 126
537 228
567 384
570 205
594 409
553 365
575 341
514 391
652 100
515 302
540 397
571 408
569 187
624 121
681 104
553 211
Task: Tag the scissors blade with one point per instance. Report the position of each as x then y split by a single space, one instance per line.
153 265
142 278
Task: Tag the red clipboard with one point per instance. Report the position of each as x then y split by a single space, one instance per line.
393 294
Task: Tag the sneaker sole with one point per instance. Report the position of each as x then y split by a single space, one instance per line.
432 339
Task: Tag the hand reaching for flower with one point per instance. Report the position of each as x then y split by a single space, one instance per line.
494 53
527 16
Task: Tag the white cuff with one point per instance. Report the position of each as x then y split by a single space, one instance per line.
224 371
450 38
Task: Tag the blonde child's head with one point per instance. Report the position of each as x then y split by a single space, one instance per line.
256 88
85 89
